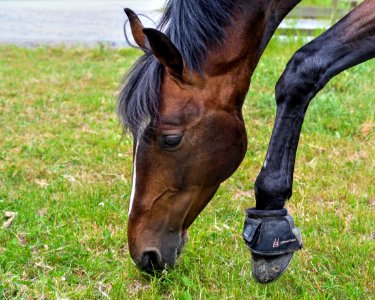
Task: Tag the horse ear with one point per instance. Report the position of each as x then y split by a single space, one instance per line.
165 52
136 28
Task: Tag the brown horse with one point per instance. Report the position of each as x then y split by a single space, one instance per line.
182 101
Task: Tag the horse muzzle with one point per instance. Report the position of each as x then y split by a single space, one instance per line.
155 259
151 261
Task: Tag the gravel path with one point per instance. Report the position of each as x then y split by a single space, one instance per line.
81 22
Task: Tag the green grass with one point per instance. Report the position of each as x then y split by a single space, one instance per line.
65 169
326 3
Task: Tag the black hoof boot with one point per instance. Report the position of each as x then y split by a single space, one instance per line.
272 240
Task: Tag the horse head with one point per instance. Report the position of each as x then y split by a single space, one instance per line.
196 140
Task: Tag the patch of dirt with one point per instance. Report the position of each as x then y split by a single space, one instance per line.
42 212
137 287
22 239
244 194
41 182
367 128
371 203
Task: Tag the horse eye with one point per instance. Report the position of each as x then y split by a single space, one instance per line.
170 141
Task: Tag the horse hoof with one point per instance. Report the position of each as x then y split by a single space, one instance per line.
266 269
272 239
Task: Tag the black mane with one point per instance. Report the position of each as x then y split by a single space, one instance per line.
192 26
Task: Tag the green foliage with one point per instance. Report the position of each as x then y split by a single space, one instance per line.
320 3
329 3
65 169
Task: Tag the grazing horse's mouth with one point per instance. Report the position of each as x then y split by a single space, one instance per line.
152 260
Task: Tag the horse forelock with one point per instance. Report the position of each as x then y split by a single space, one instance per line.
193 27
139 97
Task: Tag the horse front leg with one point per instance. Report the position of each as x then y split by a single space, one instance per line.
348 43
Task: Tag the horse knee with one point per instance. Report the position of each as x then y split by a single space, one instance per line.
298 82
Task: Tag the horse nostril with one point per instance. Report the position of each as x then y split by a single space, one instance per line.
151 261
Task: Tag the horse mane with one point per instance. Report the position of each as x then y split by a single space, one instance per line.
193 26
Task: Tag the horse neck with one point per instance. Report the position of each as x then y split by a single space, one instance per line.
235 60
230 66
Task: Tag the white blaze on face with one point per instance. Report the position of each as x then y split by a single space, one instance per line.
134 179
141 130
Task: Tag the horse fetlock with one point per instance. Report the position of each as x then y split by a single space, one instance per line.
271 191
